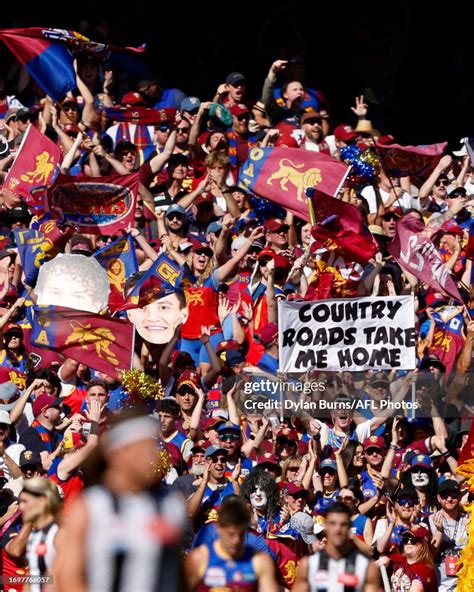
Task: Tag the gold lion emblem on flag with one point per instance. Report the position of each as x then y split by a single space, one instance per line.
288 173
101 338
42 173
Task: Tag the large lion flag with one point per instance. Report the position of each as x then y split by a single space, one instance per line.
35 167
102 343
282 175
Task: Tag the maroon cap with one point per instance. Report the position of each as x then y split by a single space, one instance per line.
273 224
268 459
288 433
68 101
189 378
397 211
268 333
266 253
310 115
282 262
287 141
204 198
44 402
345 133
239 109
177 354
200 445
202 247
450 227
295 487
374 442
228 344
212 423
132 98
12 328
418 531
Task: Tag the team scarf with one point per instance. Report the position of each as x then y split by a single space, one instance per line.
232 140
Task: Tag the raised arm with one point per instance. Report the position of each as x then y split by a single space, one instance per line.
224 271
159 161
427 187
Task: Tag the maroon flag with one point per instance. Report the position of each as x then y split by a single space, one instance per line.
414 250
282 175
140 115
415 161
35 167
95 205
341 227
102 343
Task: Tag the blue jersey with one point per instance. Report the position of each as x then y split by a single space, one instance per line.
323 501
236 574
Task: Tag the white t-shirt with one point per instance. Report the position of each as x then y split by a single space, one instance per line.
405 200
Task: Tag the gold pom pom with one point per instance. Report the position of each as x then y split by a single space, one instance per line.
141 386
162 464
370 157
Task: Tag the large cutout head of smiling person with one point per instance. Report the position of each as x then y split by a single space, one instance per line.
74 281
156 322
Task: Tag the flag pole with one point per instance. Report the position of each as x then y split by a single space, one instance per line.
309 195
133 347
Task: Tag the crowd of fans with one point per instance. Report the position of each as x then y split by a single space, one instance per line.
105 497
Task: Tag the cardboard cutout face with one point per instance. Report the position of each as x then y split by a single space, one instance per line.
156 322
74 281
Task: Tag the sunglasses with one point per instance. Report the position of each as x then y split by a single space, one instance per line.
175 216
390 217
313 121
107 238
292 469
321 535
70 108
406 503
301 495
4 427
346 499
139 203
371 451
243 117
182 130
451 494
164 128
409 540
286 442
442 182
219 459
229 437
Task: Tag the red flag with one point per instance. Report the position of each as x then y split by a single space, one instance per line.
341 226
404 161
95 205
101 343
35 167
282 175
414 250
467 451
140 115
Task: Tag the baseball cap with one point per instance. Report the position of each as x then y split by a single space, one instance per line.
345 133
432 360
235 77
228 426
239 109
132 98
213 423
392 212
202 247
234 357
379 378
10 114
19 212
12 328
190 104
214 450
288 433
418 531
374 442
435 298
449 485
214 227
268 459
175 209
465 427
268 333
421 460
328 464
273 224
310 115
181 357
450 227
28 457
9 394
219 115
189 378
5 417
44 402
456 192
206 198
295 487
228 344
266 253
200 445
406 492
238 242
25 112
73 440
304 524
